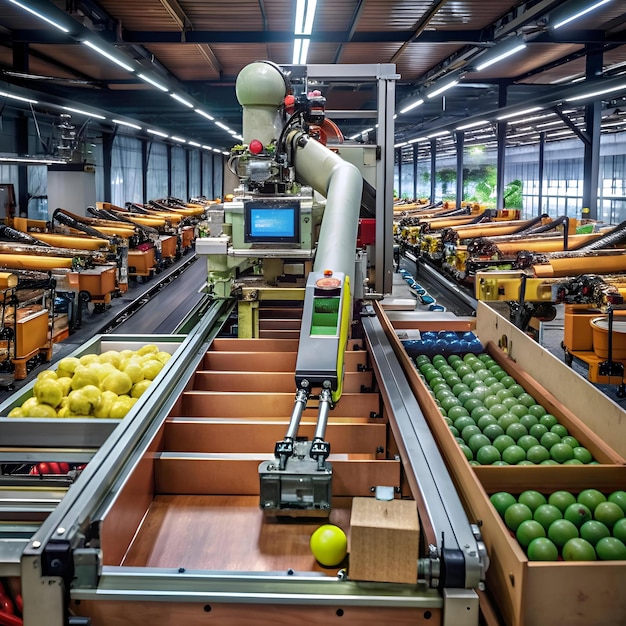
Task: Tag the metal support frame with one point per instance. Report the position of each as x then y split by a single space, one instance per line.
540 174
500 157
385 76
591 160
460 147
433 170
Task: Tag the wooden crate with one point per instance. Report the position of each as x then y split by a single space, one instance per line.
532 593
384 540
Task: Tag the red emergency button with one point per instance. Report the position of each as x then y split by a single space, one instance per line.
256 147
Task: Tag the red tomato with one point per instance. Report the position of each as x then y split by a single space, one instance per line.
43 468
64 467
54 468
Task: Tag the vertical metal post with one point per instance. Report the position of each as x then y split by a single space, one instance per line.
201 172
20 64
501 136
460 147
415 155
169 170
398 151
384 184
187 170
433 170
107 150
591 160
542 155
144 169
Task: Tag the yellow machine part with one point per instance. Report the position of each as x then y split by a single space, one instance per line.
546 244
506 286
71 241
33 262
115 231
604 264
7 280
344 329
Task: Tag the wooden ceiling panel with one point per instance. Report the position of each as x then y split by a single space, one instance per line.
140 14
418 58
231 15
186 61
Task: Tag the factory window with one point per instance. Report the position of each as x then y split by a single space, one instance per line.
158 170
194 174
207 176
179 173
126 170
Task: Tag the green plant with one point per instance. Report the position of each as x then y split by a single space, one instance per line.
513 195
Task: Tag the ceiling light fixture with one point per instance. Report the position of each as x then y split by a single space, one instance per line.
493 57
517 113
87 113
158 133
5 94
222 126
128 124
412 106
32 160
472 125
181 100
106 55
300 51
178 139
305 14
153 82
201 112
417 139
443 88
40 16
599 92
559 22
440 133
195 144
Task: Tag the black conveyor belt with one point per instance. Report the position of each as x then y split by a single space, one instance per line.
166 309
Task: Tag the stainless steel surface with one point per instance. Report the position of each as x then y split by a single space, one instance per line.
422 459
460 607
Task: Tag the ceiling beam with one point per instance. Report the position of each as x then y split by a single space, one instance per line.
177 14
419 28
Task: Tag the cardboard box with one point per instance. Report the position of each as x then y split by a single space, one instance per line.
384 540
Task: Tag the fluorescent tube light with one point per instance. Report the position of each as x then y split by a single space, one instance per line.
158 133
441 133
399 145
105 54
81 112
195 144
297 46
181 100
222 126
575 16
417 139
304 52
201 112
600 92
122 123
153 82
217 150
305 14
206 147
412 106
5 94
178 139
472 125
443 88
559 133
500 57
32 160
523 112
40 16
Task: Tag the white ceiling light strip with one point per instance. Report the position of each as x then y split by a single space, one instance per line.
40 16
106 55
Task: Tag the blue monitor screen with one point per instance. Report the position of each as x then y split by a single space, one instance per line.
272 223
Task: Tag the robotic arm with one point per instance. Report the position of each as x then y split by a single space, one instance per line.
280 156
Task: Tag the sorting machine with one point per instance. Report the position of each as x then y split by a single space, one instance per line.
202 500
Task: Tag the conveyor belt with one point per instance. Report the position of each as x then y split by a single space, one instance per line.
164 310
